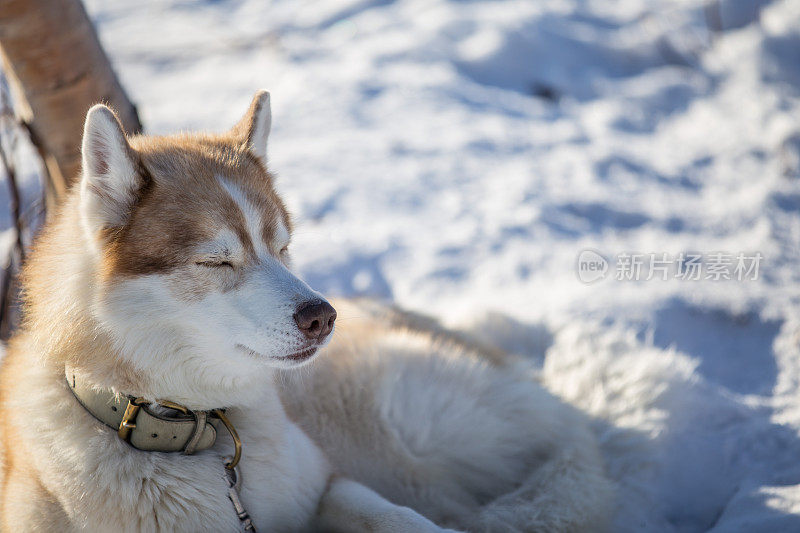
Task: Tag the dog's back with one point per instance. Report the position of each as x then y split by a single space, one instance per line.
430 420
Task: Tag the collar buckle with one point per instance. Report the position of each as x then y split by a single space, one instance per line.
128 422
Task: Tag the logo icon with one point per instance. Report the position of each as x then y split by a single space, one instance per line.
591 266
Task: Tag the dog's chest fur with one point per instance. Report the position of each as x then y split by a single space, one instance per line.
94 478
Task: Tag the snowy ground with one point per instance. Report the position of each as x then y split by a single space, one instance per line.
457 156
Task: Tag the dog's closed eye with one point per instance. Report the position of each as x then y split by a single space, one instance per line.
215 263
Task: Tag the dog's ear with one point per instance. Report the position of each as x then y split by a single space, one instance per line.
253 128
110 178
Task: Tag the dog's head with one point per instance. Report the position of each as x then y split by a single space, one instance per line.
191 248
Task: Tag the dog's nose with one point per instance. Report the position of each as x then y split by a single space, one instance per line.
315 319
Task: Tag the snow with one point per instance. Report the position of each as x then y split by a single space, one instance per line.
457 156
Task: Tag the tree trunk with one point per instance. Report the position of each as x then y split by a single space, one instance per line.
58 70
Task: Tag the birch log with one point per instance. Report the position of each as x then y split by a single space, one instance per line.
58 69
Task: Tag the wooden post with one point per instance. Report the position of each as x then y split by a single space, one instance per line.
57 70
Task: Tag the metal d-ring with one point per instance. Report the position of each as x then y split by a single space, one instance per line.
237 442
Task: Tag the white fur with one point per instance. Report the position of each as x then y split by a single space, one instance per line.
226 244
282 235
251 215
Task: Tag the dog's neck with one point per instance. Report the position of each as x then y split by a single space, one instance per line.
167 374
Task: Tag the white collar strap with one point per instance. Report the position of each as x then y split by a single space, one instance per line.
187 431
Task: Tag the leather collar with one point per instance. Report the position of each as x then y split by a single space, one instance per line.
137 424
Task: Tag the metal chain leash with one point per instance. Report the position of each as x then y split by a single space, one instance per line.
234 479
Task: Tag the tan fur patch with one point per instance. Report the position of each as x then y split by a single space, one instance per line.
182 203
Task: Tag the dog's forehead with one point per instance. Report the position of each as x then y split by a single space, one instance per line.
198 189
219 175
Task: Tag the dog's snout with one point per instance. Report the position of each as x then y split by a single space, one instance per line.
315 319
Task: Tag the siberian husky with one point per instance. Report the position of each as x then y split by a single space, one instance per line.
162 343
